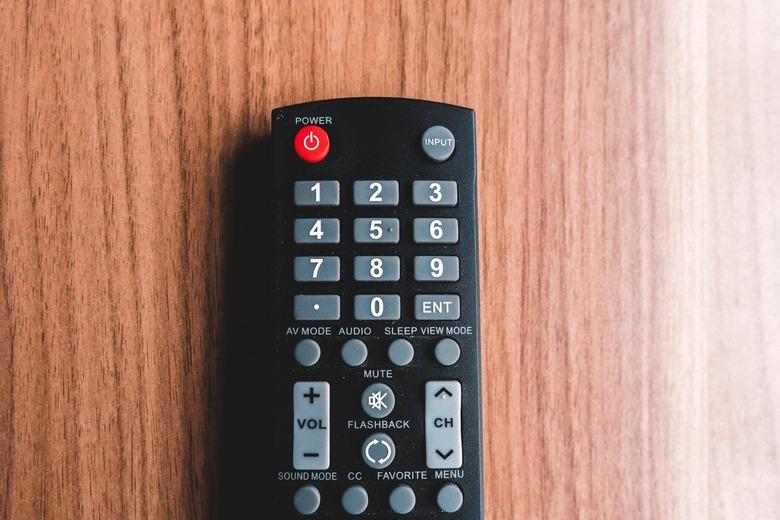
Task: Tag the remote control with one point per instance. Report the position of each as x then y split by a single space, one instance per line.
376 327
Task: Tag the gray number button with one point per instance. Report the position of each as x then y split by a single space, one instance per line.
376 230
436 268
435 193
377 307
316 268
437 307
316 231
436 230
375 193
317 307
377 268
316 193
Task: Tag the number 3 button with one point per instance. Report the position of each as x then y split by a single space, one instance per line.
435 193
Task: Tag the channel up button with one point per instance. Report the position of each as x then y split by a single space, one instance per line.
443 444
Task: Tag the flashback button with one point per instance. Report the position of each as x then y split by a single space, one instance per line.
378 451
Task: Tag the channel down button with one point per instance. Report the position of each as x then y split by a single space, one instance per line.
443 442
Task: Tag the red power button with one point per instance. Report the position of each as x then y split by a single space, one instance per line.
312 143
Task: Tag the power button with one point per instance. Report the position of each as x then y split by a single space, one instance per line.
312 143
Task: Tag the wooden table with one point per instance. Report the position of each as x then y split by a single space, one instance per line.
630 240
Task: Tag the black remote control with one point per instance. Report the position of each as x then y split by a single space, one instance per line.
377 378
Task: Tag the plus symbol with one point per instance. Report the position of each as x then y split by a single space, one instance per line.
311 396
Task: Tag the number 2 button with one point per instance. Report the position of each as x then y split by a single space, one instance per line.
375 193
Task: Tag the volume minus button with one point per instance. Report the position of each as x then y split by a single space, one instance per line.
311 425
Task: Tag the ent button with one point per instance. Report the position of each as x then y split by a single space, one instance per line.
443 446
437 307
311 425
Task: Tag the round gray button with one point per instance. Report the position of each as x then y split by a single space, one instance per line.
438 143
354 500
307 352
447 352
450 498
400 352
354 352
378 400
378 451
402 499
307 500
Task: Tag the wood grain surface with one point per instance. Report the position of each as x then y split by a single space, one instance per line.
630 240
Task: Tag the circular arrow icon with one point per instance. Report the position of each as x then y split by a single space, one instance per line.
378 451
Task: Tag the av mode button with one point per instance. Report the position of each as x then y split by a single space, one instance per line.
438 143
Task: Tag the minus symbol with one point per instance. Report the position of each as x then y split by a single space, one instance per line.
311 454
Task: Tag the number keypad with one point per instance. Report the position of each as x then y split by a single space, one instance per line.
380 230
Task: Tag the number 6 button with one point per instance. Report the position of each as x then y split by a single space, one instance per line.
436 230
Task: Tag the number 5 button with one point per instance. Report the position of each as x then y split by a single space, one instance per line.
435 193
376 230
436 230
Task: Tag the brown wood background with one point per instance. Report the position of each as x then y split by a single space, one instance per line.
630 238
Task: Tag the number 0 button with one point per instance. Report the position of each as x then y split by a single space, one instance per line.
436 230
377 307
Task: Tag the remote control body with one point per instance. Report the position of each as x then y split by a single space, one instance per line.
376 311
